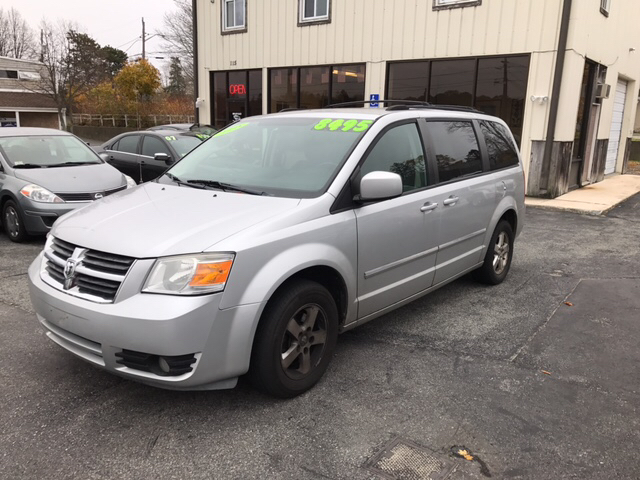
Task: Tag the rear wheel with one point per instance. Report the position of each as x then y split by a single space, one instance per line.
12 222
497 261
295 340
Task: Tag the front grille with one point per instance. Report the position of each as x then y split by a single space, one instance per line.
147 362
88 196
97 274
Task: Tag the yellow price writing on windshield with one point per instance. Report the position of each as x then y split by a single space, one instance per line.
343 125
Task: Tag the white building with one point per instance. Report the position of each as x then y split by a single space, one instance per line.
499 56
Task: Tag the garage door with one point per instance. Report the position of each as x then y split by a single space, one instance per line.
616 126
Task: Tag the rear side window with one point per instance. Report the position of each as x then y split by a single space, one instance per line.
128 144
456 148
502 151
399 151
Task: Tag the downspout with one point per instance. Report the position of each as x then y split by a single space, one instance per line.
555 95
194 8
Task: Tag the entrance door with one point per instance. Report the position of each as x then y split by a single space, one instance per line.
616 126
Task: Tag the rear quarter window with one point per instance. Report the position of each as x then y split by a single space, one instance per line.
502 152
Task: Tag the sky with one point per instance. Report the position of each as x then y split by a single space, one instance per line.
109 22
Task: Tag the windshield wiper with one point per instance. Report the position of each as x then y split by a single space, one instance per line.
29 165
225 186
68 164
180 182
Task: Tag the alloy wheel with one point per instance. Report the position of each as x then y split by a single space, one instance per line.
501 253
303 343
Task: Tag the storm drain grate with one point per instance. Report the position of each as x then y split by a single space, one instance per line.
404 460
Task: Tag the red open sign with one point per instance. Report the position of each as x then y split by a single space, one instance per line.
237 89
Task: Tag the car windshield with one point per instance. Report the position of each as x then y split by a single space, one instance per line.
46 151
283 156
183 144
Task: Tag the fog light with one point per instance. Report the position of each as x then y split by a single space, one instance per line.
163 364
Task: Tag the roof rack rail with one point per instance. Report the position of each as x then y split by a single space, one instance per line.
457 108
363 102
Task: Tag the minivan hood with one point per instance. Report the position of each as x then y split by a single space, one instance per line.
155 220
78 179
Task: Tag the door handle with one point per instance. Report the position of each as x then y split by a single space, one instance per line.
142 162
452 200
427 207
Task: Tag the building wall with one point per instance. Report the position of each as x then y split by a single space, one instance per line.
378 31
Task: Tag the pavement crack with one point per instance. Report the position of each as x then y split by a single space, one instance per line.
14 275
517 353
152 444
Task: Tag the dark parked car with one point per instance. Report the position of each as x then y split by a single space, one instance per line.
146 155
46 173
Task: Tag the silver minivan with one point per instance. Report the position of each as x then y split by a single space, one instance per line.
254 251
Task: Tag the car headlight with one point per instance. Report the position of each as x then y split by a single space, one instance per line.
130 181
189 274
39 194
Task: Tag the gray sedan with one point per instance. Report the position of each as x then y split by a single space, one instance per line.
46 173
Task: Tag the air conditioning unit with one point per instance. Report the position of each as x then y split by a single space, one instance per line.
603 90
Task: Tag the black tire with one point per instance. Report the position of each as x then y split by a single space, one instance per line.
13 222
295 302
497 261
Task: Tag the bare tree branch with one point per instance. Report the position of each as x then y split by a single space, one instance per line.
178 35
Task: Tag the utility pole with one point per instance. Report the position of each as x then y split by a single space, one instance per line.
144 38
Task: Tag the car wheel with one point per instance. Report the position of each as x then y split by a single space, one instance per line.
12 221
295 340
497 261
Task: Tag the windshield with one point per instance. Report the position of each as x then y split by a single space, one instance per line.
184 144
46 151
283 156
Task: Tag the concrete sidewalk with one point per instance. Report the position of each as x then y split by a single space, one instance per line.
596 199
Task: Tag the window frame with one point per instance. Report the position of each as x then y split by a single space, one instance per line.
449 4
485 149
225 29
605 7
316 20
138 145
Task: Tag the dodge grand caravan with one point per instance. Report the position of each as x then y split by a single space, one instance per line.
255 250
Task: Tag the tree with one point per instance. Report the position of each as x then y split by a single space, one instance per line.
177 32
16 38
72 64
177 83
115 59
138 80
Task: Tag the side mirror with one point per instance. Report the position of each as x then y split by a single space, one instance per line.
163 157
104 156
380 186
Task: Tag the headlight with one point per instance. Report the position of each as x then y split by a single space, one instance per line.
190 274
130 181
39 194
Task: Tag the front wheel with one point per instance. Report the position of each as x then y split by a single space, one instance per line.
497 261
12 221
295 340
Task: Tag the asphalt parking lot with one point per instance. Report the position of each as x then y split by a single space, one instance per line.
531 386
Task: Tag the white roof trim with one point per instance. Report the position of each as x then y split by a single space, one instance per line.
28 110
33 62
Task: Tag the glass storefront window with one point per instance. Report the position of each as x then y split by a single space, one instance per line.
284 88
495 85
315 87
501 89
347 84
408 81
452 82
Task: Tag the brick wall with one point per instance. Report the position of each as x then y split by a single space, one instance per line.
39 119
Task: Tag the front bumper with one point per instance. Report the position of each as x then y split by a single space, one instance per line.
39 217
155 324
